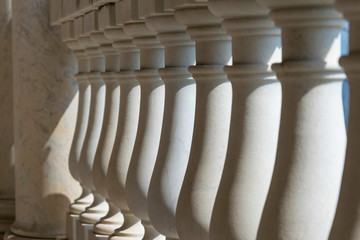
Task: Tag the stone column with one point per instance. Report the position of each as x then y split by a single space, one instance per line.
212 119
45 114
178 122
347 222
305 186
150 122
7 184
255 119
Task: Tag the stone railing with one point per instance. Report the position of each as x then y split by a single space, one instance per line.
213 119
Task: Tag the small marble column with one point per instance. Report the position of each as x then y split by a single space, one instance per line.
113 219
128 117
7 184
99 207
255 119
304 191
150 122
212 119
346 225
84 96
178 122
44 120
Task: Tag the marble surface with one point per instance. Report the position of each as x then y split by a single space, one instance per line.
45 105
7 188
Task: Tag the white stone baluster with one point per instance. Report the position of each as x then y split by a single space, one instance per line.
212 118
113 218
254 120
99 207
178 122
305 186
128 116
150 122
86 198
346 224
45 107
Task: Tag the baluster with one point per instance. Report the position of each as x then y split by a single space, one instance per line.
305 186
212 118
86 198
113 219
178 119
150 122
346 224
128 117
97 65
254 122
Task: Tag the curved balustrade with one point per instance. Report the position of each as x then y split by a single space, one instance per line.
207 120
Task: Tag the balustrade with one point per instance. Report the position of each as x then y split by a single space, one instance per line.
204 119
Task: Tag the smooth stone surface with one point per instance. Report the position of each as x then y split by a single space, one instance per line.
71 220
82 230
45 114
346 224
7 188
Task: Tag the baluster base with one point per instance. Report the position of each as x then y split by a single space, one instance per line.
132 229
82 230
71 221
11 236
7 211
95 236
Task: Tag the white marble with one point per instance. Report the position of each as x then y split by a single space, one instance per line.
346 224
305 186
128 120
7 184
45 105
178 122
212 121
84 92
255 119
150 122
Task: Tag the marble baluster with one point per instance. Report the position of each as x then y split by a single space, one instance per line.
150 123
128 117
113 219
99 207
45 106
212 118
254 121
304 190
346 224
7 179
86 198
178 122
